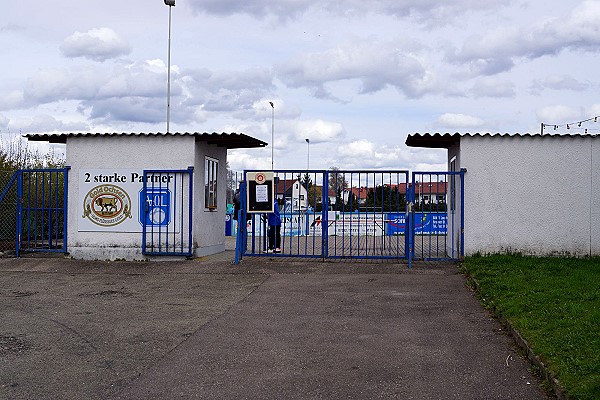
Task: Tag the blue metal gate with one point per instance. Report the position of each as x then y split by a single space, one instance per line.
40 219
167 212
339 214
333 214
436 216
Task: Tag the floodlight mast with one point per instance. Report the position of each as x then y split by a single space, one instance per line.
170 3
272 133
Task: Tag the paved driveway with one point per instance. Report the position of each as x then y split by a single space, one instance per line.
262 330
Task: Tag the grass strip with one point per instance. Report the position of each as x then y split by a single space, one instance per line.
554 303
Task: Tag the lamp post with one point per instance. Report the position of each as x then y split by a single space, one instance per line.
272 132
170 3
307 154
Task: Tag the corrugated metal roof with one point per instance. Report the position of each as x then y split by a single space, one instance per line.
446 140
228 140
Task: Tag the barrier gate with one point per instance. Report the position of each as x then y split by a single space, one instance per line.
337 214
34 210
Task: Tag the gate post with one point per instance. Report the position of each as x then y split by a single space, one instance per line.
325 216
19 211
65 207
410 220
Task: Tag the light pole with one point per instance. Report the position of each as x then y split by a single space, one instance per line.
272 132
307 154
170 3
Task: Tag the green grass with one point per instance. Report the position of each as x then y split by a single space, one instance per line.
554 303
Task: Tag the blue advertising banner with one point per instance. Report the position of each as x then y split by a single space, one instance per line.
425 223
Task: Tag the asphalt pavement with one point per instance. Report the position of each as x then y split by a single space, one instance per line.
264 329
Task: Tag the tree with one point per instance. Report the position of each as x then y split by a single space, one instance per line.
337 180
385 199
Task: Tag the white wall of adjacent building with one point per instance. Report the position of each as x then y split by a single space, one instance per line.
536 195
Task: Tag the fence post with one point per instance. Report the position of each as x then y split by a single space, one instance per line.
325 215
409 225
65 207
19 211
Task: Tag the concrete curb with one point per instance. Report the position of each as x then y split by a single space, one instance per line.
545 373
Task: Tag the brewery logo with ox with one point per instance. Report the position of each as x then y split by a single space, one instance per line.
107 205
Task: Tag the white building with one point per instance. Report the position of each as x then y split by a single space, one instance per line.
526 193
106 204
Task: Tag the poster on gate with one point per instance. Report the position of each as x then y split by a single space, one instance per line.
112 200
346 224
425 223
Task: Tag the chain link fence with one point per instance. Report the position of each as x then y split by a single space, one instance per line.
8 211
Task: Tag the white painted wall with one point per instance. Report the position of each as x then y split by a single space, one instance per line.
532 194
209 226
122 152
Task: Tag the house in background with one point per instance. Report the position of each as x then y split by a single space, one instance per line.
527 193
292 194
429 193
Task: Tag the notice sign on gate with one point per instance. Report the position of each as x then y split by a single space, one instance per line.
260 192
113 200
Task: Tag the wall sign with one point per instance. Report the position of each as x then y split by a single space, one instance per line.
113 201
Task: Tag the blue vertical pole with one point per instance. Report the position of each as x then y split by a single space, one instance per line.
410 220
325 216
190 209
145 211
19 211
65 206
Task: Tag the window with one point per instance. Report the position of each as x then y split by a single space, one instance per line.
211 172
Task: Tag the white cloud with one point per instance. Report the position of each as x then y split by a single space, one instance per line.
493 87
3 122
557 114
497 50
317 131
424 10
376 65
558 82
44 123
12 99
96 44
455 121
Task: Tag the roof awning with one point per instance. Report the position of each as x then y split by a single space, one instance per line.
447 140
434 141
228 140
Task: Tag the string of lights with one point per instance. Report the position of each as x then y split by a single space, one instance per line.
577 125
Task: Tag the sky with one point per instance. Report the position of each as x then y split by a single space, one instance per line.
355 77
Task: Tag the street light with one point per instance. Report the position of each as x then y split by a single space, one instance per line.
307 154
170 3
272 132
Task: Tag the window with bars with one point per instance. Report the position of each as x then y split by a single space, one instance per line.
211 173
